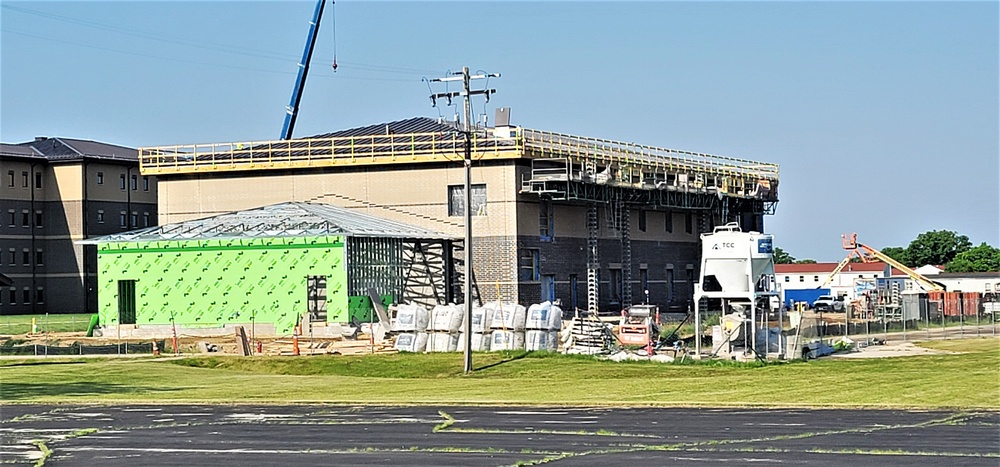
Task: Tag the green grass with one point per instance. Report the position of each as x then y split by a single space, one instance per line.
21 324
966 380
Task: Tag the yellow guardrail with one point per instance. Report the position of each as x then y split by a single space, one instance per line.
321 152
437 147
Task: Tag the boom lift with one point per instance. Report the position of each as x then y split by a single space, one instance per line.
871 255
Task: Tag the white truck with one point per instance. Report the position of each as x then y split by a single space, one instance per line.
828 303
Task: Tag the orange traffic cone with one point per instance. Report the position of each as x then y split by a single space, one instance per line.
295 344
156 350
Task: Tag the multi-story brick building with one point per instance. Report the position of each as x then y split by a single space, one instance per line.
55 191
598 224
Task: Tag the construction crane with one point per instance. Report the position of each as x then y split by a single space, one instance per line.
292 110
871 255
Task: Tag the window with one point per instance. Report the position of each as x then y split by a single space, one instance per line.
100 178
26 296
690 279
145 219
573 297
545 221
644 281
134 219
40 295
100 216
688 222
802 278
145 183
26 257
529 269
24 179
38 219
788 278
815 278
13 296
39 260
121 219
670 283
24 218
456 200
10 178
642 220
135 182
12 217
121 181
38 180
668 221
615 285
12 258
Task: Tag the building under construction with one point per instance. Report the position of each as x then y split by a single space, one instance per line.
594 223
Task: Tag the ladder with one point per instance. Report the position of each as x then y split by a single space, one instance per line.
592 260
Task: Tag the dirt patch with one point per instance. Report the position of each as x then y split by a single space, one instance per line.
903 349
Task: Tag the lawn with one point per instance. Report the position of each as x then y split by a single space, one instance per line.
967 380
21 324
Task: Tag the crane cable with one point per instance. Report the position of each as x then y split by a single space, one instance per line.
334 7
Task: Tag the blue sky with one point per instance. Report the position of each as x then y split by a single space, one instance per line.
883 116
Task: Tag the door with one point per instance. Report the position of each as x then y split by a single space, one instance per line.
126 302
548 288
316 297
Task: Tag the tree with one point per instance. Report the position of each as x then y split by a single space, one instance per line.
805 261
982 258
897 253
782 256
936 247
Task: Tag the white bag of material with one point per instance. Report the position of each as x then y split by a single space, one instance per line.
480 342
446 318
411 342
507 340
442 342
540 340
508 316
410 318
481 318
544 316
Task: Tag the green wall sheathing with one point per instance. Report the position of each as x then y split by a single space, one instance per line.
210 283
359 309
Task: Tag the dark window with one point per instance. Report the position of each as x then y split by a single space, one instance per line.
39 295
615 285
12 217
38 180
24 218
39 260
25 257
26 296
456 200
135 182
100 178
690 281
38 219
145 183
121 181
546 222
644 281
24 179
13 296
10 178
642 220
145 219
787 278
573 297
135 220
802 278
121 219
668 221
529 265
126 302
100 216
13 257
688 223
670 285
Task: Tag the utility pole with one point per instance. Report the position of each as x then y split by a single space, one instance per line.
467 93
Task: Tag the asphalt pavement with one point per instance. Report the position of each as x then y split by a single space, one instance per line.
169 435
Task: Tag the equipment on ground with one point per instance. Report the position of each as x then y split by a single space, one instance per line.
639 326
871 255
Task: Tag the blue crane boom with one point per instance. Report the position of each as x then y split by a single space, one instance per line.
292 111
